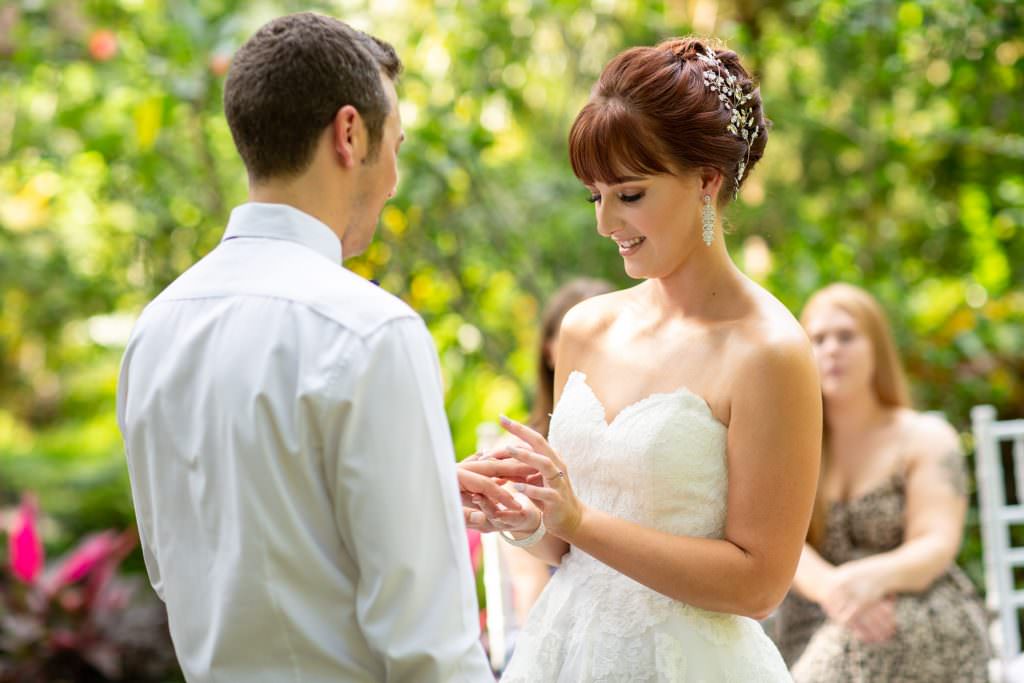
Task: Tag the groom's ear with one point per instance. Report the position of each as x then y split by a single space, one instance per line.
348 136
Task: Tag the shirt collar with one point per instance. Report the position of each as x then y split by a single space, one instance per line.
283 222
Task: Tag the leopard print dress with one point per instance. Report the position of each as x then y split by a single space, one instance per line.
940 633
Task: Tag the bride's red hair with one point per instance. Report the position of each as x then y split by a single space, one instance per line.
651 113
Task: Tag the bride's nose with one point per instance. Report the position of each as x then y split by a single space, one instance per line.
606 224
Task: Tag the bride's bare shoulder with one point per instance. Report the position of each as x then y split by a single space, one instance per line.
593 316
771 332
585 327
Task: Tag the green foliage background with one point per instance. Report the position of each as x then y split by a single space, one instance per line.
896 162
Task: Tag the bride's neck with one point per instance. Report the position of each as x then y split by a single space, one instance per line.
703 286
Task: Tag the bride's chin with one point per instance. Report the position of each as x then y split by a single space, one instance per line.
635 271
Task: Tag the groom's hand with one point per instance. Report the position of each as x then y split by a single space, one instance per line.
480 481
487 465
526 519
483 479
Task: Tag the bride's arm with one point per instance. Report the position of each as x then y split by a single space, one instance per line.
774 443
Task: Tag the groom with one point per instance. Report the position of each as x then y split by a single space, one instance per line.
290 463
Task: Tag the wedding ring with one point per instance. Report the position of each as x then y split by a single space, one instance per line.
560 475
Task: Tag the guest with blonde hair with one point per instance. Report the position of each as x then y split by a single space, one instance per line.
877 594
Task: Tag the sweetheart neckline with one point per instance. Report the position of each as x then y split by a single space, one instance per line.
893 481
649 398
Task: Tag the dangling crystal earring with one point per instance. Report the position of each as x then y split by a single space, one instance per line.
708 215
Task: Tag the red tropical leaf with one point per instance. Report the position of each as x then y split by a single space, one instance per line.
83 559
25 548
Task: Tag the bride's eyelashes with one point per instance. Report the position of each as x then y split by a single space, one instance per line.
628 198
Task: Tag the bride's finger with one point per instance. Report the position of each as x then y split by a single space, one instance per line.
511 518
549 474
539 462
471 482
501 469
542 495
532 438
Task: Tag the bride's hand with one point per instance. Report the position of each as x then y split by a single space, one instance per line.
522 522
480 481
550 488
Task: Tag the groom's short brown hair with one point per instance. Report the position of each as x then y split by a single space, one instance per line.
288 81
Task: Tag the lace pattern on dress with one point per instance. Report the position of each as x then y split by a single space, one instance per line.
660 463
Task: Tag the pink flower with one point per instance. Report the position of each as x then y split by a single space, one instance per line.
475 548
25 548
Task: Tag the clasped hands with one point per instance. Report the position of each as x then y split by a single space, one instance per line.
540 487
852 596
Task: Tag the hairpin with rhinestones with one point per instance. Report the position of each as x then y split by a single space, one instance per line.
742 122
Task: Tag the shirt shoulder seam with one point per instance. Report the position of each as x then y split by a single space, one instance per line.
363 337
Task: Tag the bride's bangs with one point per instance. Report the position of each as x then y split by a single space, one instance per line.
608 143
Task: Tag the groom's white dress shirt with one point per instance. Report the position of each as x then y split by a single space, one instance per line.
292 469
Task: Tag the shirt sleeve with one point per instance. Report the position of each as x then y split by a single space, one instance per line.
139 500
397 507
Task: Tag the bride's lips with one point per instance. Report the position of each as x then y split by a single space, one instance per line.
630 246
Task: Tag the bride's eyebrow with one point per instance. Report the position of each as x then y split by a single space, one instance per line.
626 180
617 182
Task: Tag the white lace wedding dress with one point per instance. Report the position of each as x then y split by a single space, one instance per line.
660 463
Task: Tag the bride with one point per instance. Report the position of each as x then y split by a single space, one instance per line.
677 485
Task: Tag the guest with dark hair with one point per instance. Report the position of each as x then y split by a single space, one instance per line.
565 297
529 575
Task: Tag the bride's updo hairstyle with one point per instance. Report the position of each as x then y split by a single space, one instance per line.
673 108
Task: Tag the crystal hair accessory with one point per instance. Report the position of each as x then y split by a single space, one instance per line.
742 123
